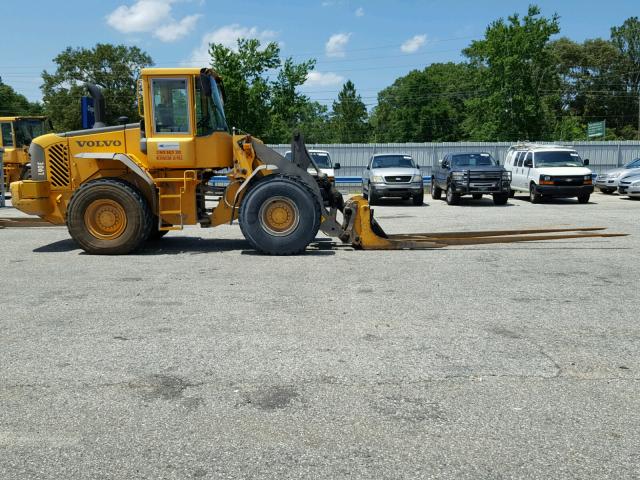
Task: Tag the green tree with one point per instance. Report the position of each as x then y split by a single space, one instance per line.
349 116
115 68
626 39
14 104
269 109
424 106
516 72
591 84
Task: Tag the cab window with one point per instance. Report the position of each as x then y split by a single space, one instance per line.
7 138
209 110
170 105
521 158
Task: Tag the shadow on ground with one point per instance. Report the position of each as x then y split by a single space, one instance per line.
192 245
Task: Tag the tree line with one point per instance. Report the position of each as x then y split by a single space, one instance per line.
521 81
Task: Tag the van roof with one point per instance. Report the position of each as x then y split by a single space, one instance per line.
539 146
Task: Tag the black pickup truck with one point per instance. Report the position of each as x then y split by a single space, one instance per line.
473 174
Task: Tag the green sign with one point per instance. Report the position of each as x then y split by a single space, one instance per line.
596 129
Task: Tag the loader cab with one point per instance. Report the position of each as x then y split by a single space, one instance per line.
184 120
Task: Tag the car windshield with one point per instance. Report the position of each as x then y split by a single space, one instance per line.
633 164
472 160
558 159
322 159
28 129
391 161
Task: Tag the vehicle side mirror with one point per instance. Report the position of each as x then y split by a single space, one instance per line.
440 162
418 167
123 120
497 162
336 166
586 161
368 167
528 163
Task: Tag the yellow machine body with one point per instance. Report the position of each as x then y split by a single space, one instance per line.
16 133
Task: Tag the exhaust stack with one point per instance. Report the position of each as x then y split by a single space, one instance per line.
98 105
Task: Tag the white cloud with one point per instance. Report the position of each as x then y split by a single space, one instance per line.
413 44
177 30
323 79
227 36
151 16
336 44
360 12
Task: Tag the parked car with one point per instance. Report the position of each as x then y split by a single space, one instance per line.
624 184
323 160
474 174
634 189
392 175
607 182
549 171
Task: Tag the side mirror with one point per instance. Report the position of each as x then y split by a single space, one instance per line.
418 167
336 166
497 162
586 161
368 167
528 163
440 162
123 120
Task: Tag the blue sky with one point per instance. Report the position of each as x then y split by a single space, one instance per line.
371 42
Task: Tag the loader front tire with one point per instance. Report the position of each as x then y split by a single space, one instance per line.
280 215
109 217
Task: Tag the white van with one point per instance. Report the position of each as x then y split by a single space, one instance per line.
548 171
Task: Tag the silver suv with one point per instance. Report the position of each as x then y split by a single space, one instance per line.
392 175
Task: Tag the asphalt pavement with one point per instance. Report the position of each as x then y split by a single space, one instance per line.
198 358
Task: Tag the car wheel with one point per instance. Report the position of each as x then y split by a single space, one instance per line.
372 196
436 192
512 193
534 196
584 198
500 198
453 198
418 199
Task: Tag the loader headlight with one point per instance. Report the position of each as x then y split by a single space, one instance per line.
377 179
417 179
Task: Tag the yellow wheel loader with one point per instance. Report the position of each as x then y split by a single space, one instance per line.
17 133
117 186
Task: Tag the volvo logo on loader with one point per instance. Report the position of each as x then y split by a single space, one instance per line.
99 143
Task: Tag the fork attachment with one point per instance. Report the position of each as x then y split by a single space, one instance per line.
362 231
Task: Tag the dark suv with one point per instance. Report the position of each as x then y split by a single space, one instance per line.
473 174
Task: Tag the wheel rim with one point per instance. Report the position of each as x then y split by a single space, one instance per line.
105 219
449 194
279 216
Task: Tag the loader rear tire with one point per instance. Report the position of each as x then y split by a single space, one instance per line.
280 215
109 217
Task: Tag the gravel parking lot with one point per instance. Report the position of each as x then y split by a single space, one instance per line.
197 358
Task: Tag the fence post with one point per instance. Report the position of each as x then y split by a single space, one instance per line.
619 154
2 192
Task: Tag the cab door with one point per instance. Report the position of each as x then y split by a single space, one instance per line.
170 133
